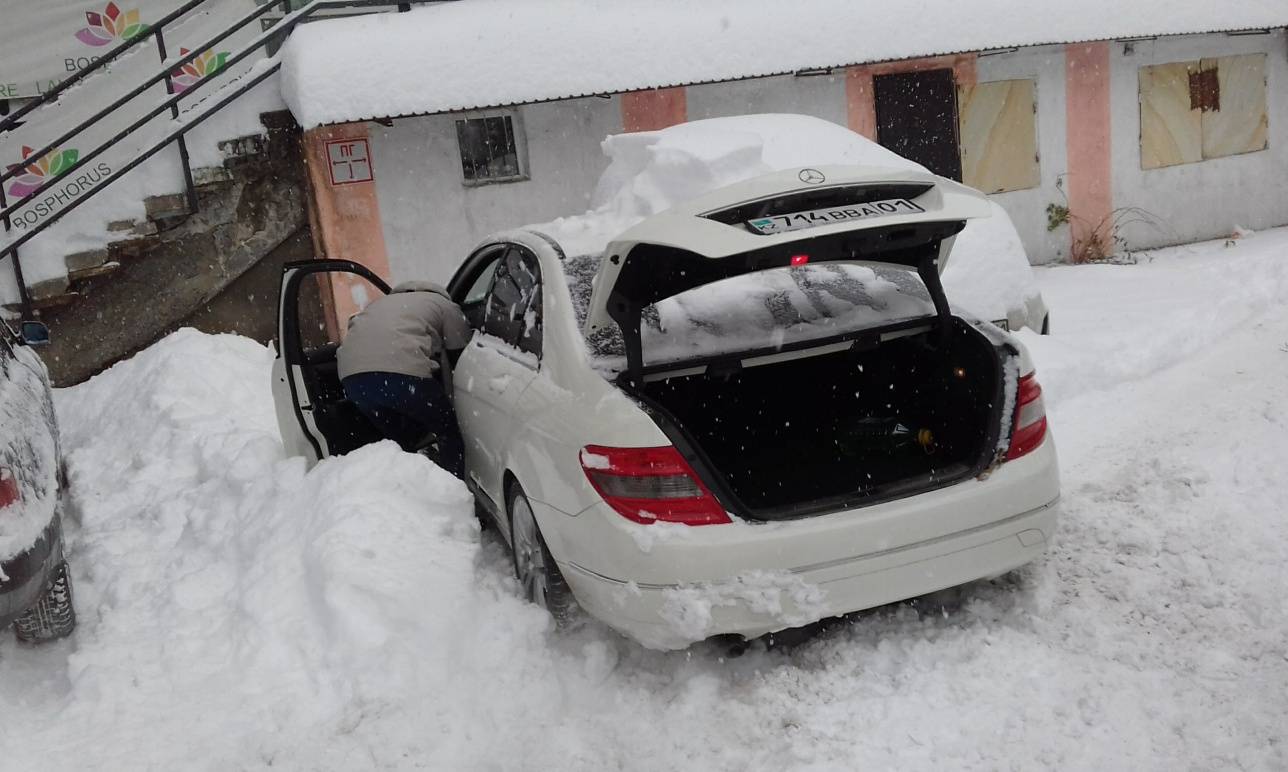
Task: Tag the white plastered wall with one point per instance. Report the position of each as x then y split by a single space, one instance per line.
822 96
431 219
1027 208
1204 200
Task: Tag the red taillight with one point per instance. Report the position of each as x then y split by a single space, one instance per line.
8 488
800 259
1030 418
651 484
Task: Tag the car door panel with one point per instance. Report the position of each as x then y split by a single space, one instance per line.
313 415
486 401
494 371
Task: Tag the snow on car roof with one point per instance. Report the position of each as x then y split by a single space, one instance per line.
486 53
650 172
653 171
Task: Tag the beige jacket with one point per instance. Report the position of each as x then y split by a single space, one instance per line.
403 332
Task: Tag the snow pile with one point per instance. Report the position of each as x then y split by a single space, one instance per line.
486 53
237 604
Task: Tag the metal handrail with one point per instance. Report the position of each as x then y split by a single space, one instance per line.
157 77
172 102
93 67
185 122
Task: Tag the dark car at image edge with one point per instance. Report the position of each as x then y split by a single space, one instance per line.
35 585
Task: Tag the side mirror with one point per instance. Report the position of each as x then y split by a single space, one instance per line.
35 333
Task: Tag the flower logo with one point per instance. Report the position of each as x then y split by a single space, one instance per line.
36 171
204 65
110 25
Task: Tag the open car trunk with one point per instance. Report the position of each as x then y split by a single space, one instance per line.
886 416
793 338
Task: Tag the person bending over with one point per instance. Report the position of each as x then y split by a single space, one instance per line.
391 365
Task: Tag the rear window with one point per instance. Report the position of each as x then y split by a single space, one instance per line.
764 309
780 306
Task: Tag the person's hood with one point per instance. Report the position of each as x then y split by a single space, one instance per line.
421 286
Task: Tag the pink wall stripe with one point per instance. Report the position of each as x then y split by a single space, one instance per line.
654 109
1089 182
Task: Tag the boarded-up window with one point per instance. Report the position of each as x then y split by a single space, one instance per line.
1170 131
998 130
1239 123
1209 108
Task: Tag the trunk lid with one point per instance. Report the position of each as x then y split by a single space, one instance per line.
827 214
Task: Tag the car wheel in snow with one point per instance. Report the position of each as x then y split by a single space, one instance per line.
53 616
1046 324
539 577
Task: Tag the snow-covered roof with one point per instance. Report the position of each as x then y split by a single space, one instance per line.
485 53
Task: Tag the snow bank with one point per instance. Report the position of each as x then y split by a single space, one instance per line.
232 602
484 53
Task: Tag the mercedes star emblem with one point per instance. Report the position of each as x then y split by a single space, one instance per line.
812 176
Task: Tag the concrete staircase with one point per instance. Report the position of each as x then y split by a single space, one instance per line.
175 264
131 238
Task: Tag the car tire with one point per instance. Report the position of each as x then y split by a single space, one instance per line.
53 616
539 577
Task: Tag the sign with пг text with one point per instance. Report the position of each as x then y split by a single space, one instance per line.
350 161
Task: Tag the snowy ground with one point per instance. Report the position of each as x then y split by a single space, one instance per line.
237 612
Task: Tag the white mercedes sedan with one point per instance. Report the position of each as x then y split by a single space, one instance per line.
749 412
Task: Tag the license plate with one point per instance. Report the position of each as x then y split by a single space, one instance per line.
782 223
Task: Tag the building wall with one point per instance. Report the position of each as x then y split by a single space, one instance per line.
432 220
1207 199
822 96
1027 208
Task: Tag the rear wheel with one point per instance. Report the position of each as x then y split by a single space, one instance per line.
539 577
53 616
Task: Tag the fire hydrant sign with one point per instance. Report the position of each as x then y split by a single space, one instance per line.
350 161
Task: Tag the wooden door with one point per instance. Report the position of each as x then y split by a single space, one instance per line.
917 118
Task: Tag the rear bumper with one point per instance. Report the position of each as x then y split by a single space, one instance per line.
673 616
28 575
668 586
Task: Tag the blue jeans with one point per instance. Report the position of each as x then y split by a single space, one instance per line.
410 411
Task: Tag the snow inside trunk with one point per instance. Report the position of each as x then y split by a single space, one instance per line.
841 429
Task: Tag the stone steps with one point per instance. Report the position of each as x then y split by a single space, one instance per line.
131 238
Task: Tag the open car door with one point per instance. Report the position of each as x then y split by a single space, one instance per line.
315 418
